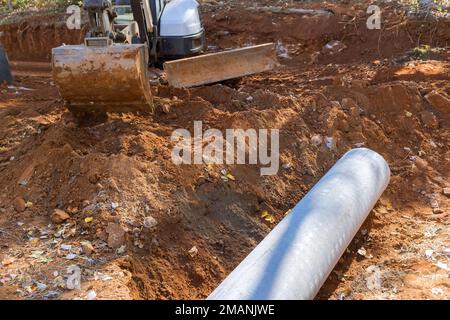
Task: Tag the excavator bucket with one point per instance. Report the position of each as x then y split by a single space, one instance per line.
110 78
215 67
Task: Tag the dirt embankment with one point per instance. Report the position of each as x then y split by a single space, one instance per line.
230 26
115 180
33 38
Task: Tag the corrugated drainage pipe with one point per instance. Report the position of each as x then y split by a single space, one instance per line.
296 257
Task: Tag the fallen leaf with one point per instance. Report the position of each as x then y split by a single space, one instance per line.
231 177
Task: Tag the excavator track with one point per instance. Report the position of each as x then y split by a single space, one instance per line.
103 79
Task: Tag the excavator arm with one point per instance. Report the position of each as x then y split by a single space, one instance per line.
108 73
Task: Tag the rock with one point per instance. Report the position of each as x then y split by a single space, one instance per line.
59 216
7 261
19 204
333 47
26 176
439 100
316 140
193 252
222 33
446 191
122 250
150 222
166 108
349 104
438 211
113 185
429 119
87 248
421 163
116 235
286 165
336 104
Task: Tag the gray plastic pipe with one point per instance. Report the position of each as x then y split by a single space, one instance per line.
296 257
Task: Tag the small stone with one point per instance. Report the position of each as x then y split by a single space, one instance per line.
222 33
434 203
316 140
116 235
348 104
7 261
421 163
166 108
87 248
446 191
193 252
113 185
150 222
439 100
438 211
333 47
19 204
122 250
59 216
286 165
429 119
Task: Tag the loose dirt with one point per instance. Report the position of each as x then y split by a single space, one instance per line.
110 175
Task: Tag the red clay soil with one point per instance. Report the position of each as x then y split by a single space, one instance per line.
111 174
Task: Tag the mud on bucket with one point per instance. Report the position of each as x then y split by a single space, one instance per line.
5 70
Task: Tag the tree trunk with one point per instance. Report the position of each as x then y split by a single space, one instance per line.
10 5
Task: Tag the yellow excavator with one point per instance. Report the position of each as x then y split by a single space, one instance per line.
109 71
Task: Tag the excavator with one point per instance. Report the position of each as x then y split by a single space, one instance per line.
109 71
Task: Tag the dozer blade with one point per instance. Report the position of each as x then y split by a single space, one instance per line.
103 79
215 67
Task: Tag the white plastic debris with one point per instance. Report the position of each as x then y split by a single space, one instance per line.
282 51
71 256
373 281
66 247
74 277
91 295
437 291
429 253
442 265
329 142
